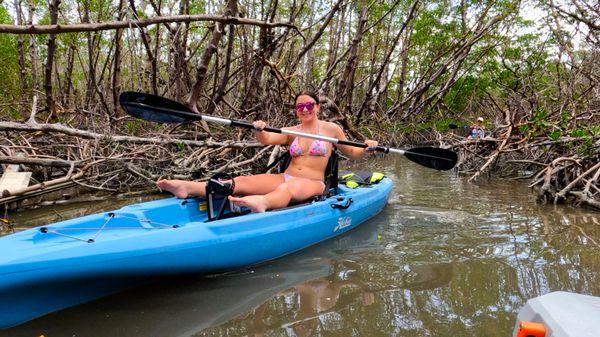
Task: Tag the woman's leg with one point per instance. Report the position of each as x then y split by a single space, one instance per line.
257 184
244 185
297 189
182 188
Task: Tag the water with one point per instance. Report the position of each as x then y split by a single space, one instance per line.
444 258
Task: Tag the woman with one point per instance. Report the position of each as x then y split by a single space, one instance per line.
304 176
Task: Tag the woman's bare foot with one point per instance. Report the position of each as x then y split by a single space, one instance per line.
256 203
181 188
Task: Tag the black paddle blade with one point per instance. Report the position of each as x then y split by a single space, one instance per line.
155 108
433 157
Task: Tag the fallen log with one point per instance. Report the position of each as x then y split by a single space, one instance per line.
59 128
41 161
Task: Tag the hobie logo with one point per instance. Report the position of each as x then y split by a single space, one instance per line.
343 222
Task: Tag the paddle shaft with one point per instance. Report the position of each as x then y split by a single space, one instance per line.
247 125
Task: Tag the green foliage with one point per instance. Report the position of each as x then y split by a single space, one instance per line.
524 129
441 125
587 147
555 135
465 89
134 127
9 55
578 133
197 7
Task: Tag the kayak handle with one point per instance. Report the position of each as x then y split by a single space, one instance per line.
344 205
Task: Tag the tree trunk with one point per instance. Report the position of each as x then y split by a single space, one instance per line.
116 74
374 85
210 50
50 103
346 84
220 91
152 65
91 83
252 100
22 52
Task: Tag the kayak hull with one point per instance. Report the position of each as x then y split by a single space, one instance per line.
171 236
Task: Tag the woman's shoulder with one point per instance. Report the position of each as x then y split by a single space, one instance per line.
329 126
293 127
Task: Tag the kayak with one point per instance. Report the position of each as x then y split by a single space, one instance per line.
168 237
559 314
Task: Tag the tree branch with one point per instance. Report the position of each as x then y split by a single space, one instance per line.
83 27
59 128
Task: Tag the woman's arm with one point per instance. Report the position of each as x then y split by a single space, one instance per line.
268 138
351 151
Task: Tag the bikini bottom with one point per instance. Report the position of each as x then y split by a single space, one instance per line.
288 177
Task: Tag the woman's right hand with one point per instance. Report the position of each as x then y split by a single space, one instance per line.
259 125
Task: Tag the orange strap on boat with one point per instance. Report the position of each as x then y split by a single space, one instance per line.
531 329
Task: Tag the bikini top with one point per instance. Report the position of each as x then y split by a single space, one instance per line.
317 147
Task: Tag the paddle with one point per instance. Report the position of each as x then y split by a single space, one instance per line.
162 110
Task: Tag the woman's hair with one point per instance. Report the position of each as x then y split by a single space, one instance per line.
307 93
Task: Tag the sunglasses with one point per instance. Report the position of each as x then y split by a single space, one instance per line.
309 106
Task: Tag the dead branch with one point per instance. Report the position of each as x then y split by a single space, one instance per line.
40 161
565 190
95 27
495 155
12 126
44 185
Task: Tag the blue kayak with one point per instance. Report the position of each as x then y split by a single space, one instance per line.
167 237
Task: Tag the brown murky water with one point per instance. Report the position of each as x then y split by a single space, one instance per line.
444 258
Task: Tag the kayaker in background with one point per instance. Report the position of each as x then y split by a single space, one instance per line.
477 129
304 177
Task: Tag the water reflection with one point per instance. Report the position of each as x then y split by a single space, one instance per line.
444 258
349 301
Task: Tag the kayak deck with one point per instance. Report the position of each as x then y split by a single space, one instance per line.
127 222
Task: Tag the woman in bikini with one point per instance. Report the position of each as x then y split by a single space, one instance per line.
304 176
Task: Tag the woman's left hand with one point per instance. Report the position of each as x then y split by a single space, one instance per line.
372 144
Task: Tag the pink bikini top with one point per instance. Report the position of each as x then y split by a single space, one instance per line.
317 147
